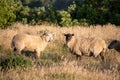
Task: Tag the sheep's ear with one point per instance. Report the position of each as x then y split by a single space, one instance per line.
72 34
64 34
115 41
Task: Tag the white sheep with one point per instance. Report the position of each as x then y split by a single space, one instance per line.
31 42
114 44
85 46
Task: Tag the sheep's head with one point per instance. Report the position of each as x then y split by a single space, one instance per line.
113 44
48 36
69 39
68 36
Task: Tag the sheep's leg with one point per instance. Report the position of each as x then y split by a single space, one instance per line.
96 56
17 52
91 54
102 57
37 54
18 49
78 57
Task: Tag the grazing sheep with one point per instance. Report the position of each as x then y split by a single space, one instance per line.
31 42
115 44
85 46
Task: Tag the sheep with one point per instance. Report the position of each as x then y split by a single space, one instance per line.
31 43
114 44
85 46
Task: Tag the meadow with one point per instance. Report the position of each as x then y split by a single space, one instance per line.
56 62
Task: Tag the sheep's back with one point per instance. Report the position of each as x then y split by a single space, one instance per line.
29 41
88 45
84 45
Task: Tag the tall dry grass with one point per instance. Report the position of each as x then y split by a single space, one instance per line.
68 68
107 32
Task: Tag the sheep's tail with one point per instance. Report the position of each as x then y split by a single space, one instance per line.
13 44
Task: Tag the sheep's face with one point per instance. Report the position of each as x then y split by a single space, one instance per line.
68 37
48 36
112 44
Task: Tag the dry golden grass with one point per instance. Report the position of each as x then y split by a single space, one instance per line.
106 32
67 69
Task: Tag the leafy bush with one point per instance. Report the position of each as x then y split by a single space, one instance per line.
7 12
36 15
115 18
93 12
51 15
15 61
65 18
80 12
83 22
23 14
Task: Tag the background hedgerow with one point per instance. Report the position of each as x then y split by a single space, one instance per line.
70 13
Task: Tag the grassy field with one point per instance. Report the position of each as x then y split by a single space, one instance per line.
56 62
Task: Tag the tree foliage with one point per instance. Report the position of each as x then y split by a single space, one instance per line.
61 12
7 12
97 11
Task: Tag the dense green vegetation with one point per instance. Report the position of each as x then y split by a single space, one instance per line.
14 62
60 12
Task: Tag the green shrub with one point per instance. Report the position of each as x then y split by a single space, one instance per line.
115 18
83 22
51 15
15 61
7 12
65 18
